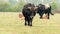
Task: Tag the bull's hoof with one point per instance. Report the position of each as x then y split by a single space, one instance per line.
25 24
40 17
29 25
48 18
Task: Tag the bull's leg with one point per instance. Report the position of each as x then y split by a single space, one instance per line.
30 22
41 15
25 21
48 16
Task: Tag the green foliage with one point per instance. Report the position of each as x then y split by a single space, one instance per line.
54 6
4 6
20 5
11 7
17 8
7 7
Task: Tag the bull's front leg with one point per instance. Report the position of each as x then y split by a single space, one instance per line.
41 15
25 21
48 16
30 22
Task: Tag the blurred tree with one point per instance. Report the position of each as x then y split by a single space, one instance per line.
4 5
54 5
17 5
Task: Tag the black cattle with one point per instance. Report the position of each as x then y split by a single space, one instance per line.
44 9
29 11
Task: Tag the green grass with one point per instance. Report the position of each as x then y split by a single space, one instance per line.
10 23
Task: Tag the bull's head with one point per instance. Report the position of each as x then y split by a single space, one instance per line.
32 11
32 8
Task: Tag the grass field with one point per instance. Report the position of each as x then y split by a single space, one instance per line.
10 23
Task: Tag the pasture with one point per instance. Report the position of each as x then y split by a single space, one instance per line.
10 23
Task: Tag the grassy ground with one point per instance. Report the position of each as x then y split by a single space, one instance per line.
10 23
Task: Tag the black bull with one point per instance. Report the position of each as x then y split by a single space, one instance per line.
41 10
29 11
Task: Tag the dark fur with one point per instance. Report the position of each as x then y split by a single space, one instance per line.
27 13
41 10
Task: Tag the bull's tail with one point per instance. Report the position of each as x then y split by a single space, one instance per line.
51 13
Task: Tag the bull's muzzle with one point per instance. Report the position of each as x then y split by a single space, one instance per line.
31 16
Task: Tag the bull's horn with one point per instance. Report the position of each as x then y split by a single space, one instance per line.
29 7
